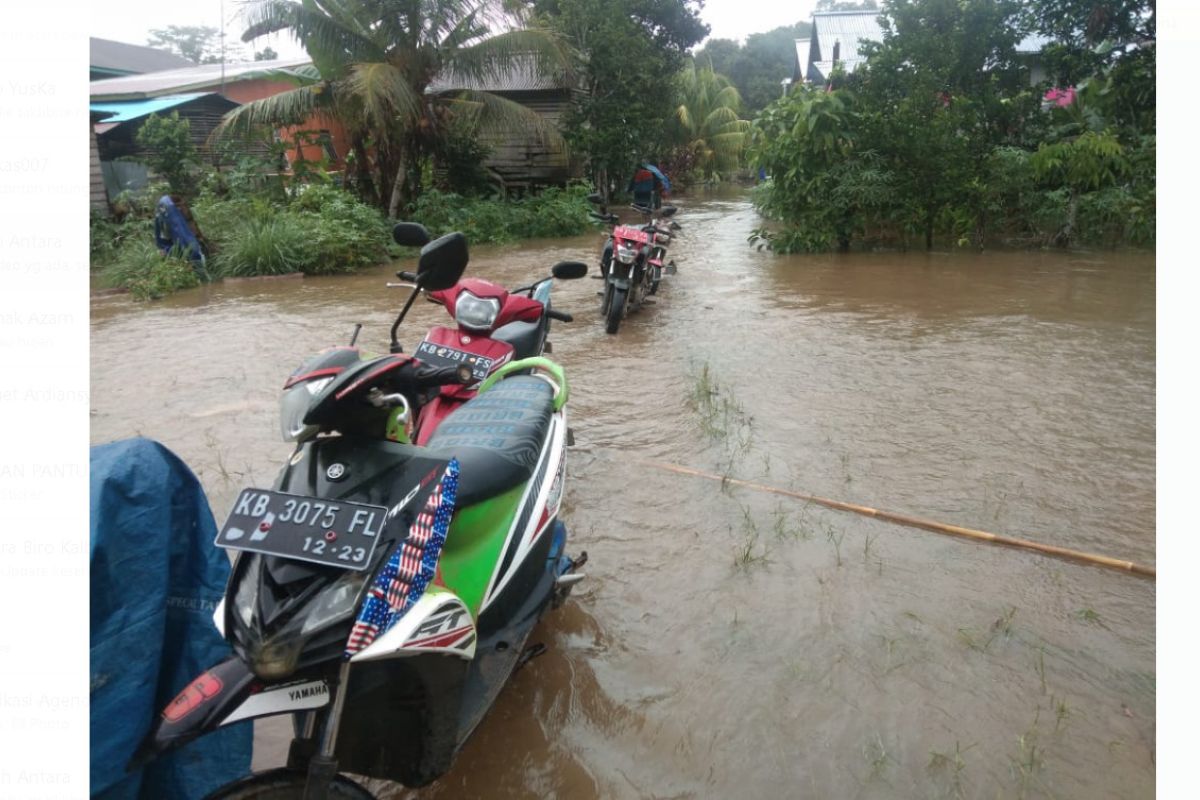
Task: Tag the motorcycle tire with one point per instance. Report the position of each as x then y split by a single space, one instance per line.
616 310
654 287
607 301
285 784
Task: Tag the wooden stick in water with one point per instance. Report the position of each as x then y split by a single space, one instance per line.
925 524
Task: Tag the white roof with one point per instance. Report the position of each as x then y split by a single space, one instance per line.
176 81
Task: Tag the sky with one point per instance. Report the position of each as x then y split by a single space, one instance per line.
131 20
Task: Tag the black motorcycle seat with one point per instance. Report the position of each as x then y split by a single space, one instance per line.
496 437
523 336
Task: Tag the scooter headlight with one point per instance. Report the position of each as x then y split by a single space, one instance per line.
293 407
336 602
476 313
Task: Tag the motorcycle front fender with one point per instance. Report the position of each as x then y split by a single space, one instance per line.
201 707
619 281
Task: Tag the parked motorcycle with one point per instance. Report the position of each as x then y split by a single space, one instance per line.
633 260
383 592
493 327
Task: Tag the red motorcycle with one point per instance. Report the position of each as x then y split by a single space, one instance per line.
494 326
633 261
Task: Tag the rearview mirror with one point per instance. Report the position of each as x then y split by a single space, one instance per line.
410 234
442 262
667 211
569 270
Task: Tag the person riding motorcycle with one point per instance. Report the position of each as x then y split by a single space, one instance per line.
649 185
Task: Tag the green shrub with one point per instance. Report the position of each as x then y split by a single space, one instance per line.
271 244
347 235
139 267
169 150
552 212
322 231
108 236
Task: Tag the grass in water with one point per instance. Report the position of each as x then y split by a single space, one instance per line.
982 641
721 417
835 539
952 763
747 553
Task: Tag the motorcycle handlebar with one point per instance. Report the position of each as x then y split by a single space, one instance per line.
427 377
561 316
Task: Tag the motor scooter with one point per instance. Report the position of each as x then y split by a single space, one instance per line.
383 592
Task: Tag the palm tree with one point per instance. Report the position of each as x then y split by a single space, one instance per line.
708 119
395 73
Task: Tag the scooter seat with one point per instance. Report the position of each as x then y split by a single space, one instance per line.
496 437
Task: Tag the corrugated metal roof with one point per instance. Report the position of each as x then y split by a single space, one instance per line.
523 77
174 81
847 29
136 109
121 57
1033 43
802 46
850 28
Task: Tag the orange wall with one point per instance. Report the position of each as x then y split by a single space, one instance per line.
258 88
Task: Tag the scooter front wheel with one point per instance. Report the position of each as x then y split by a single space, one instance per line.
286 784
616 310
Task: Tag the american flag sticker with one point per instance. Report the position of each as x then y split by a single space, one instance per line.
411 567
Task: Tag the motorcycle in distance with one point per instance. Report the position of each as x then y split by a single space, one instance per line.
383 592
633 260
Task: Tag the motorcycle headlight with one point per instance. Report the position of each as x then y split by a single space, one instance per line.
626 253
293 407
336 602
476 313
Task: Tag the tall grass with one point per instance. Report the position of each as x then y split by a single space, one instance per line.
140 267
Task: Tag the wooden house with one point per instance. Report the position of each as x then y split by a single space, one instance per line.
98 196
521 160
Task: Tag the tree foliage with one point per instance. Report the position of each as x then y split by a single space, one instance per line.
759 67
626 54
169 151
199 44
396 74
708 121
940 133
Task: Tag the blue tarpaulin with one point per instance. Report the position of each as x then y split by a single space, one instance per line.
156 579
172 232
126 110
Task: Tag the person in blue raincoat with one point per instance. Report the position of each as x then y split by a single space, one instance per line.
649 185
176 230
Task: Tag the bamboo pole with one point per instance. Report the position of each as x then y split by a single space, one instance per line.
925 524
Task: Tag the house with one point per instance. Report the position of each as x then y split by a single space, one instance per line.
835 38
111 59
838 35
522 160
98 198
239 83
201 93
116 132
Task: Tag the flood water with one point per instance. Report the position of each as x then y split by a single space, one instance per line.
731 643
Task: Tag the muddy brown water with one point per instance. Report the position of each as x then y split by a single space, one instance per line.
730 643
